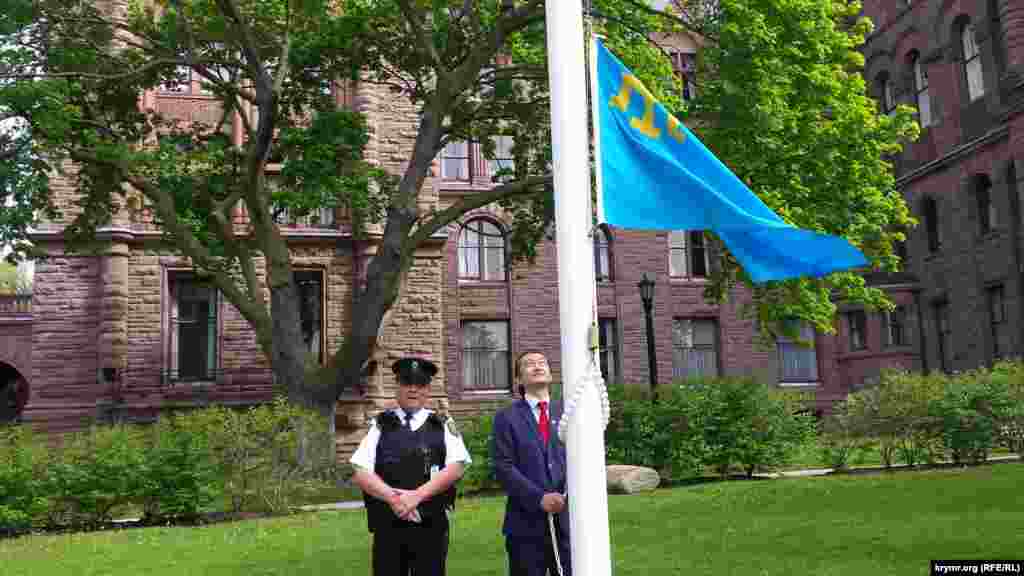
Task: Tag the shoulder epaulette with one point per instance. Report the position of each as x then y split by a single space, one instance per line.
388 420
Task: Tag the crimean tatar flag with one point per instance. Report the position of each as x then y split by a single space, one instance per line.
656 175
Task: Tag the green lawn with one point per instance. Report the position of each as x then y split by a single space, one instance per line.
879 524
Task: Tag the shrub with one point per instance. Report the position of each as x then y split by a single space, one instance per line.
1011 421
656 434
95 471
269 456
476 434
179 476
748 424
842 437
23 491
971 408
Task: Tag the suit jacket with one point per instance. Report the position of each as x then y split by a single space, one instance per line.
528 469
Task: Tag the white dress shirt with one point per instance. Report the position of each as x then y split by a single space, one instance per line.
365 457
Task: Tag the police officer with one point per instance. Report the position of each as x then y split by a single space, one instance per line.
407 467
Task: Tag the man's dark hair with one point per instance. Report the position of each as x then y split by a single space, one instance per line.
515 374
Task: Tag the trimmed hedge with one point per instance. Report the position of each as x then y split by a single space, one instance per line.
261 459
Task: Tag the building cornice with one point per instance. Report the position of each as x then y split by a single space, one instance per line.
992 136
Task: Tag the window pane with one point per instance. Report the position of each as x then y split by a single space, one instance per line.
455 161
967 36
972 64
469 262
485 358
798 363
924 108
494 263
695 348
703 333
503 159
310 287
194 343
698 256
677 263
677 239
608 349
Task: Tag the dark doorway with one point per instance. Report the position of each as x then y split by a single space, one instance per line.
13 393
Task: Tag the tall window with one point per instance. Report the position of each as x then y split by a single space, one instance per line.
503 162
930 208
945 333
798 361
694 348
972 63
310 284
180 81
687 255
481 251
684 65
602 255
455 164
997 320
986 207
192 324
857 322
924 103
888 91
485 356
896 327
608 338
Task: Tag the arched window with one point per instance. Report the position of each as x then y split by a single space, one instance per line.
887 93
924 103
972 62
602 255
481 251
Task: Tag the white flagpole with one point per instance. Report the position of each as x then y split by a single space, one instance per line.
587 483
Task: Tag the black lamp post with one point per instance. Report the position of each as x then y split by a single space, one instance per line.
646 286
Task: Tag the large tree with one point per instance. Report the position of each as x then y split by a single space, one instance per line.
780 99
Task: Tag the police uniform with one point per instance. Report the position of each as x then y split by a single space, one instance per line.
406 451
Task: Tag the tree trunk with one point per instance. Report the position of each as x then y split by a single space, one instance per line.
387 270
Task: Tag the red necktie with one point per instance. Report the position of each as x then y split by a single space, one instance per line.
543 424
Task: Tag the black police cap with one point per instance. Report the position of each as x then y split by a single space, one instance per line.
414 370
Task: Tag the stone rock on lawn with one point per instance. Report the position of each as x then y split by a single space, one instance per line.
623 479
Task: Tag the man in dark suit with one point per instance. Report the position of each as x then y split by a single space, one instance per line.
529 461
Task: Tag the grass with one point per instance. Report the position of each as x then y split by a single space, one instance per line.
880 524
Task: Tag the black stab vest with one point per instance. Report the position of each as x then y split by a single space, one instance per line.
403 460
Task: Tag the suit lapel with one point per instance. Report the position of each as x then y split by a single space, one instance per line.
531 423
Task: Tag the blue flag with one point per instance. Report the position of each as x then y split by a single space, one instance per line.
656 175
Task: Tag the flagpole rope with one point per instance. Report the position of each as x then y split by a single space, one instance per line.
592 376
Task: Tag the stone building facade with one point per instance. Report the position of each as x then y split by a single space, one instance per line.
961 64
129 333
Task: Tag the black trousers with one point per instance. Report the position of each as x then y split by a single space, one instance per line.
536 557
410 550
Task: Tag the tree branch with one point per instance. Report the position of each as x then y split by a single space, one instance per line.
187 242
445 217
423 39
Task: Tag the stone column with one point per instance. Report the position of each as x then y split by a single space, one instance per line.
113 332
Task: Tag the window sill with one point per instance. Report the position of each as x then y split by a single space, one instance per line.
495 393
190 383
482 283
784 384
688 280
